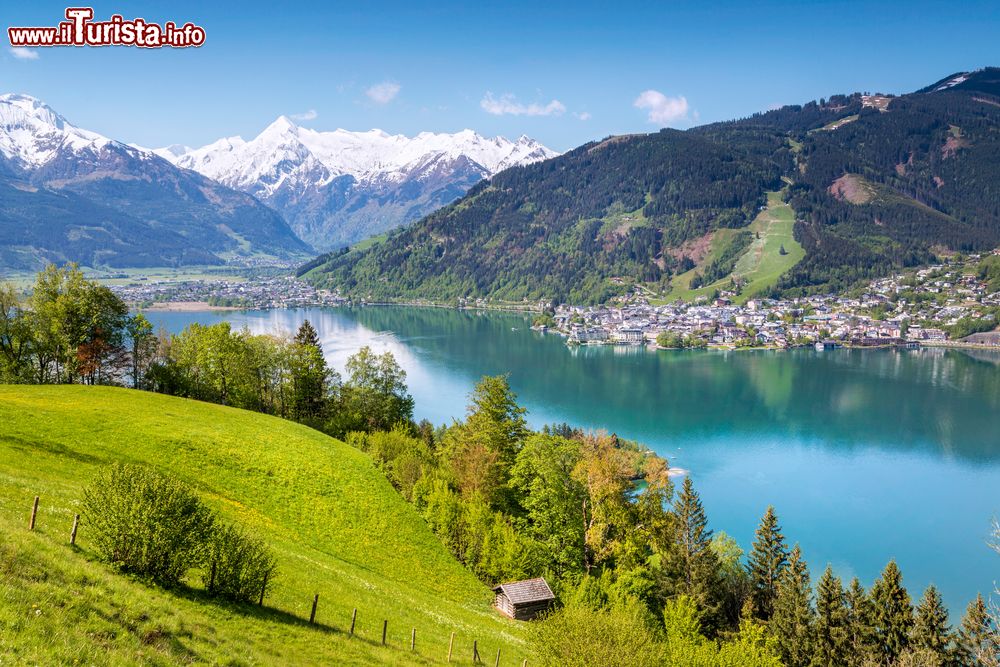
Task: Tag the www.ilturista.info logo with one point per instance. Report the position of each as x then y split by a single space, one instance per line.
81 30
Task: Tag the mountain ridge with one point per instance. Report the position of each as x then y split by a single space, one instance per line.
612 214
70 194
338 187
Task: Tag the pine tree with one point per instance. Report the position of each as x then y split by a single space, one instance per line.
307 335
767 560
978 644
893 616
831 635
930 629
860 620
792 622
693 564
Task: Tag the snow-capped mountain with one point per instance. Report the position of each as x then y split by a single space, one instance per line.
70 194
339 187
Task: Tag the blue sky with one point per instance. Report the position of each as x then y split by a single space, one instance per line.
562 72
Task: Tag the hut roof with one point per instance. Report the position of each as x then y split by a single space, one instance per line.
529 590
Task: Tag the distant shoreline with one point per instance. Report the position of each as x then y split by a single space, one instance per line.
186 307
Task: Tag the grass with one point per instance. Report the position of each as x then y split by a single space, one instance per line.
761 265
336 526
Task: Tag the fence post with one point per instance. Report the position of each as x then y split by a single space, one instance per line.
34 513
263 589
413 639
211 583
475 652
312 615
524 663
497 663
385 626
72 533
354 617
451 642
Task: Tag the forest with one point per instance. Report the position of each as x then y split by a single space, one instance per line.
586 226
631 554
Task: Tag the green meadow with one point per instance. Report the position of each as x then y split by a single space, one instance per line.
335 525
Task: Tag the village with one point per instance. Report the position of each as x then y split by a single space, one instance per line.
932 306
257 293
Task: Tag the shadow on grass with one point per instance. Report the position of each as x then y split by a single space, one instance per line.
27 446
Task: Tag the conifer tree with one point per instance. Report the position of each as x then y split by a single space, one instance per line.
693 563
792 621
930 629
977 644
893 614
307 335
860 619
768 558
831 636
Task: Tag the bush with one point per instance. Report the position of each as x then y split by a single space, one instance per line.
238 567
146 523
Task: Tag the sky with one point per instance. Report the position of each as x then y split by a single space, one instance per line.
562 72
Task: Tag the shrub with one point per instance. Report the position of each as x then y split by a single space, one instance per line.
146 523
238 567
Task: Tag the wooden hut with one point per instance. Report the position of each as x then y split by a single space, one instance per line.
524 600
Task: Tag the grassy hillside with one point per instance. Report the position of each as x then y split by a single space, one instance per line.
761 265
336 526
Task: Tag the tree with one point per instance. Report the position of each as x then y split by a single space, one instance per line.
312 381
551 497
142 344
977 644
930 628
486 445
375 396
860 620
607 513
893 614
15 337
831 635
692 563
792 621
768 558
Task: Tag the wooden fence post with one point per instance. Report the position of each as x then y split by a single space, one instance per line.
524 663
475 652
354 617
385 626
413 639
263 589
34 513
312 615
72 533
451 642
497 663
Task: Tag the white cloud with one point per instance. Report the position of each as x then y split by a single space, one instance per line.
305 115
508 104
383 93
582 115
663 110
22 53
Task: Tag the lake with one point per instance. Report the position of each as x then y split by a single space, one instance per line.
867 455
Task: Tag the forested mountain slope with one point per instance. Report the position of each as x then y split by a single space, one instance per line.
876 182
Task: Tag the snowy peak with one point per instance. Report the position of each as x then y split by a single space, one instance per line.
339 186
32 133
285 147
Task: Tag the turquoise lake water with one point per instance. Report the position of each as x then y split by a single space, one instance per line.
866 455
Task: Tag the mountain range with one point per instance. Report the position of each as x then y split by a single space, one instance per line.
806 198
69 194
336 188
